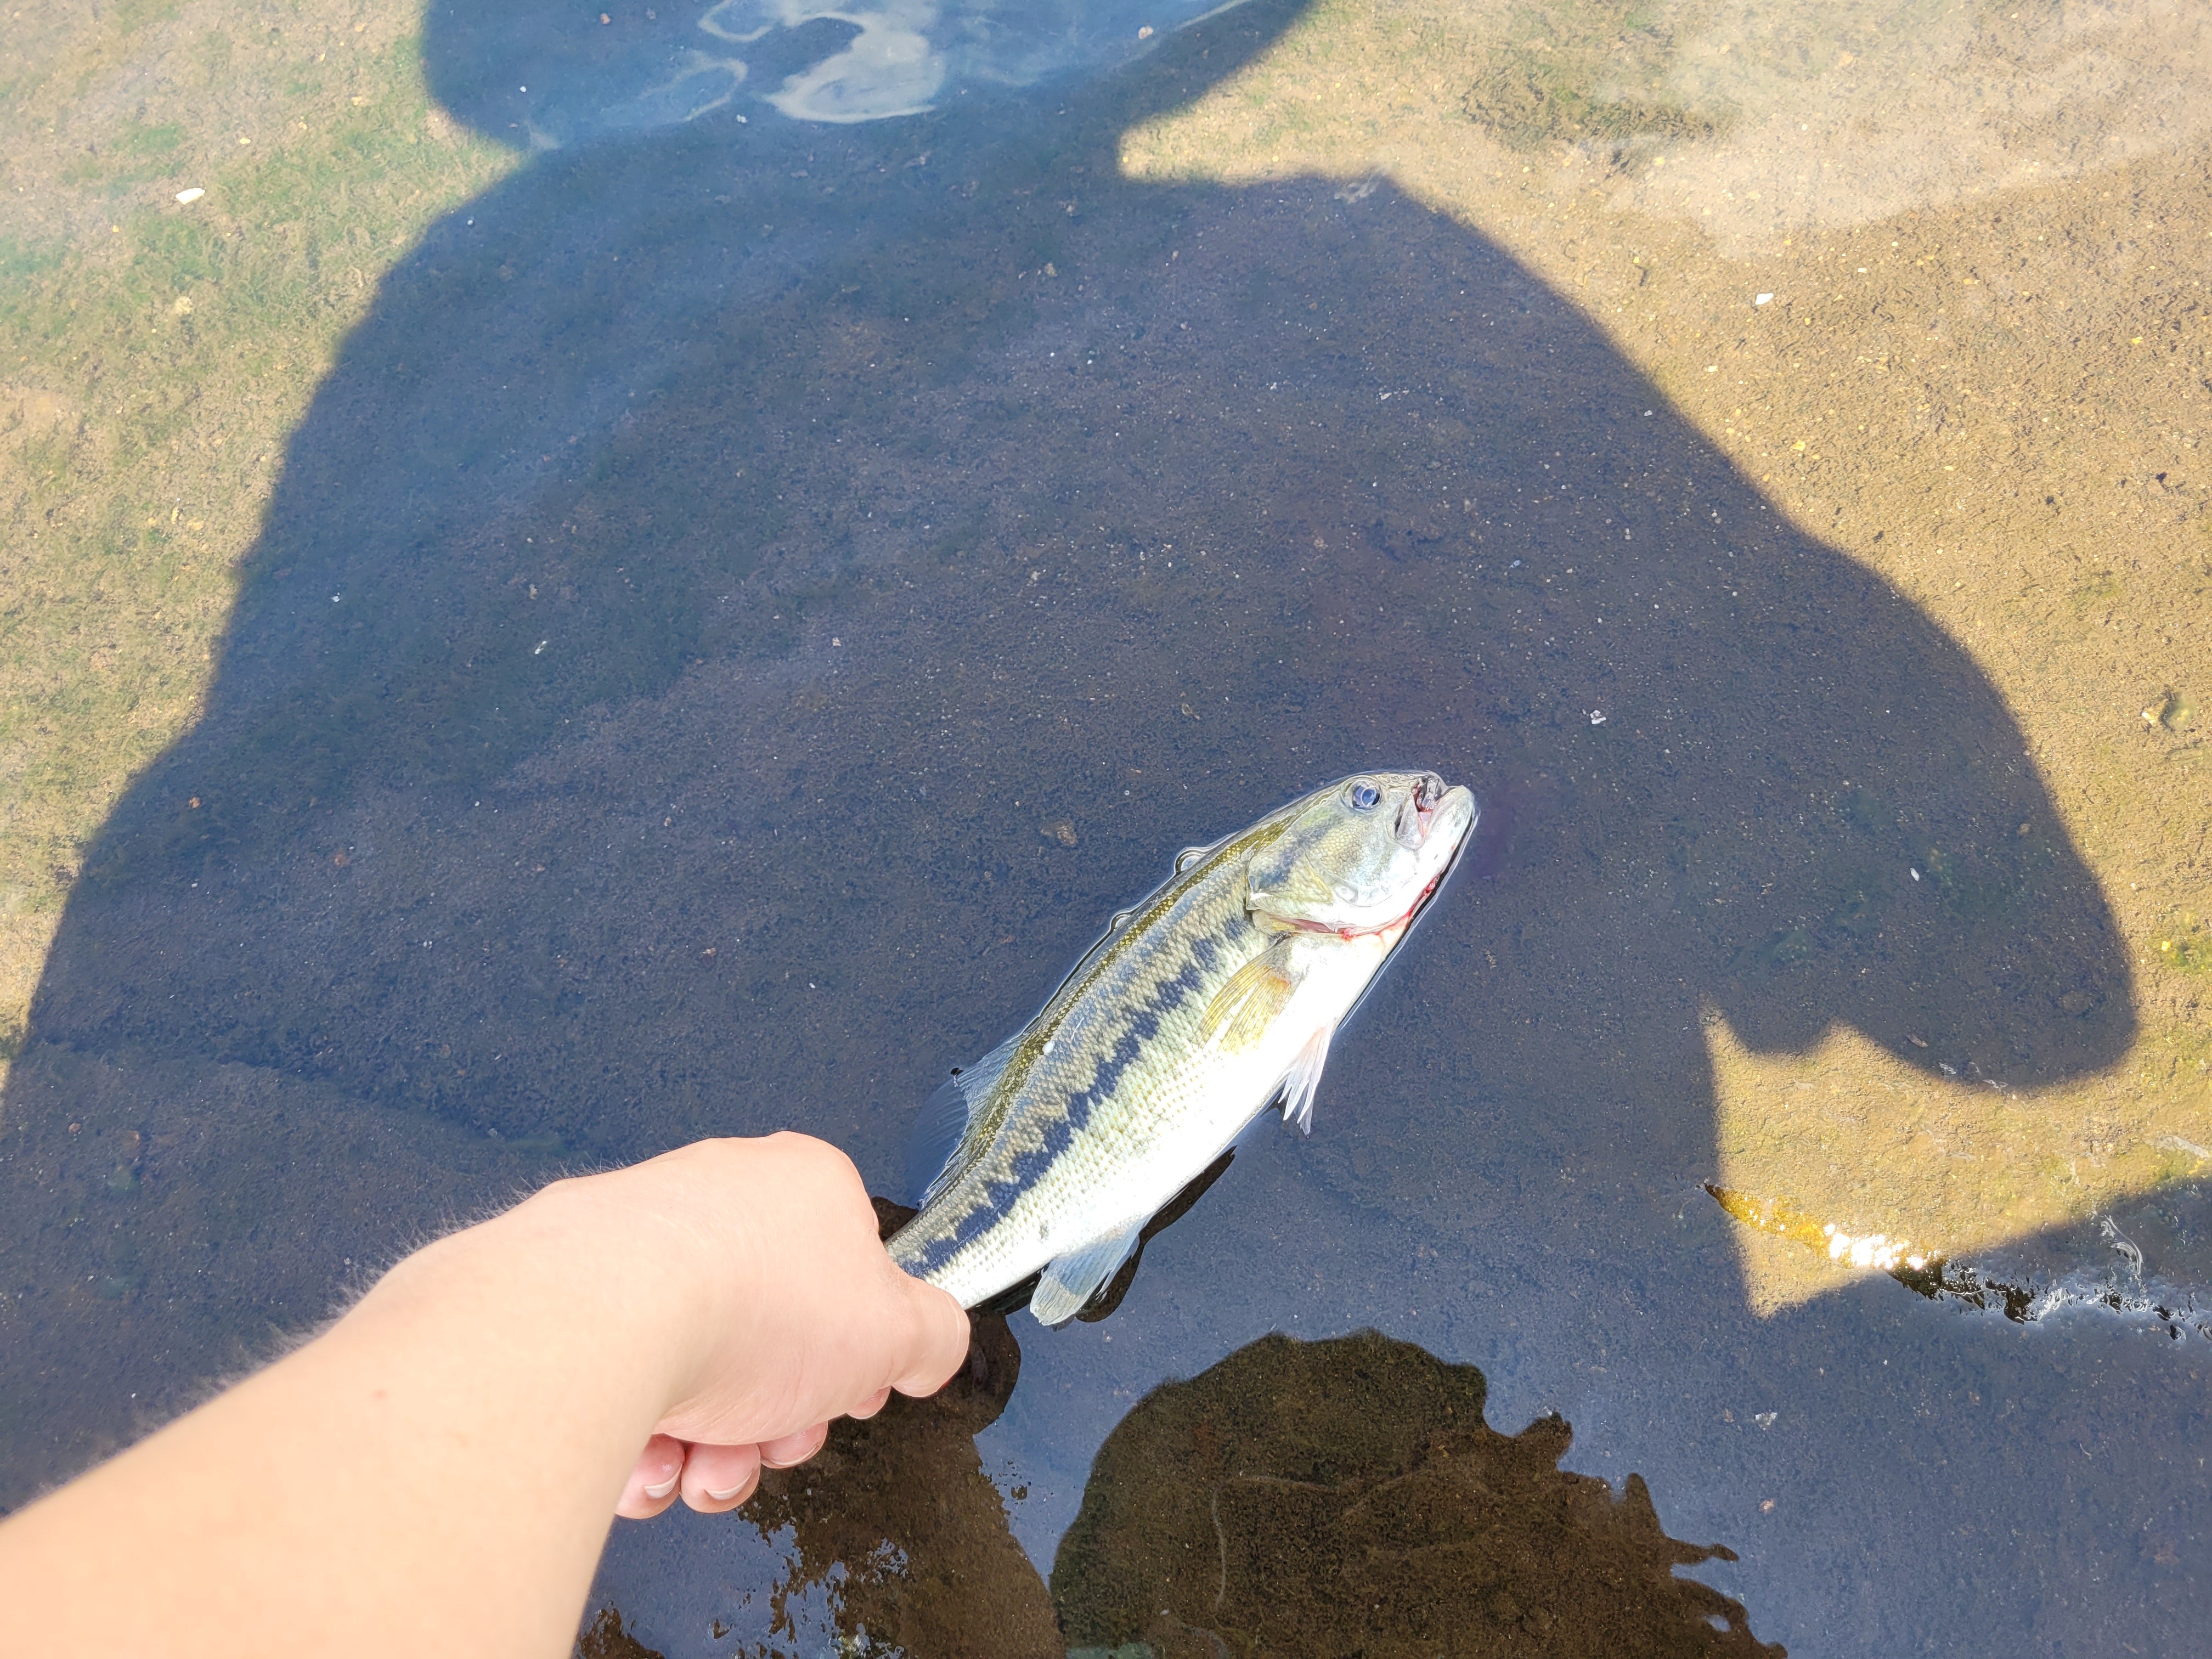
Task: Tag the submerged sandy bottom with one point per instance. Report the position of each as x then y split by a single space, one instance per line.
744 609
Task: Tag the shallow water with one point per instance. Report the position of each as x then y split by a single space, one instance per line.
751 600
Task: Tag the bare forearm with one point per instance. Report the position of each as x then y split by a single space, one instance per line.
437 1471
450 1452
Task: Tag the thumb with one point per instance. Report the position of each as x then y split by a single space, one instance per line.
936 1338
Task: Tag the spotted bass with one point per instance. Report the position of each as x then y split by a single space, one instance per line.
1214 997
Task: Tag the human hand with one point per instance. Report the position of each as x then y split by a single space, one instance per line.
798 1314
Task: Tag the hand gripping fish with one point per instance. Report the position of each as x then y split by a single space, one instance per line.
1213 998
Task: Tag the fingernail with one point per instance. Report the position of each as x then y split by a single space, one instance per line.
725 1495
666 1486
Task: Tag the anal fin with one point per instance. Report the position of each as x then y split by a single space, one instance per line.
1103 1305
1073 1279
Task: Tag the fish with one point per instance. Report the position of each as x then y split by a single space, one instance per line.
1214 997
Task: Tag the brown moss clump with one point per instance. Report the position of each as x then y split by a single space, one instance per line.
1344 1496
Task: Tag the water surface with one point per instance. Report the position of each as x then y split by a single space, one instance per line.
752 599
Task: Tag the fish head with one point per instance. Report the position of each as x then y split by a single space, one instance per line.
1361 856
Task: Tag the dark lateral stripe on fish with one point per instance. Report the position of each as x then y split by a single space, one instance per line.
1168 1035
1139 1025
1109 951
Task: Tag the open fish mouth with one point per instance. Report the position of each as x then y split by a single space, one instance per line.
1443 877
1407 922
1428 796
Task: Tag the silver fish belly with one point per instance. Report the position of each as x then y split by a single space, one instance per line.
1196 1010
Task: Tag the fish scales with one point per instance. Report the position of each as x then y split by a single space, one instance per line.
1098 1077
1219 992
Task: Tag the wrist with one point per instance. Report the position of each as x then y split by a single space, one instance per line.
571 1259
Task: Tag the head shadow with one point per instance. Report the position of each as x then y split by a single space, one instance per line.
754 596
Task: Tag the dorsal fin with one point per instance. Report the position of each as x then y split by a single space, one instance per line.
935 1153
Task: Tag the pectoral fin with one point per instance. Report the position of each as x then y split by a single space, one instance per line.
1073 1279
1303 1081
1242 1009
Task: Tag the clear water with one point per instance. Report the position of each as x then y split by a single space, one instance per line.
757 594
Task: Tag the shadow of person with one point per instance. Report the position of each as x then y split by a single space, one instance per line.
753 598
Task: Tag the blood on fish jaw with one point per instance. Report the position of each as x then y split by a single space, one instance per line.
1397 925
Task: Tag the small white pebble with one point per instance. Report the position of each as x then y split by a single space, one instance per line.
1762 299
187 197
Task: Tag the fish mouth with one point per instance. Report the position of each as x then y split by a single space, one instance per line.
1437 882
1405 923
1429 795
1402 923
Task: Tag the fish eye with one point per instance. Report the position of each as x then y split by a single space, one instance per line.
1364 795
